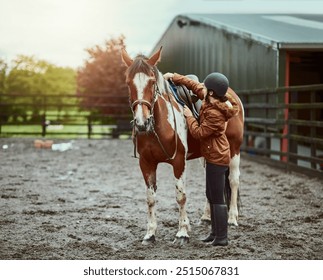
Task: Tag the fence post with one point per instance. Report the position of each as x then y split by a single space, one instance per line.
293 129
89 127
313 130
43 133
285 140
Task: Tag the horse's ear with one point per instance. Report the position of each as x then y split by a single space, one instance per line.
155 58
126 58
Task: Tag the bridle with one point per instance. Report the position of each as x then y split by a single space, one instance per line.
141 102
151 106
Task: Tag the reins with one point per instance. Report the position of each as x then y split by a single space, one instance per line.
151 109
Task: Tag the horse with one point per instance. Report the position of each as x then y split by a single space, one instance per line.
160 134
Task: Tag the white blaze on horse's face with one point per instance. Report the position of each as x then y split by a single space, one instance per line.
142 113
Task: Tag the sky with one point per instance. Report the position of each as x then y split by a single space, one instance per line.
60 31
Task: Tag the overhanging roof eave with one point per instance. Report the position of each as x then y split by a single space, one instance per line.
300 46
243 34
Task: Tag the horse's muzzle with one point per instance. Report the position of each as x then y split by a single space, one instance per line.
146 127
140 128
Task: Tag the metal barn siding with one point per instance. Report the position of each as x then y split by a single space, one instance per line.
192 46
201 48
250 49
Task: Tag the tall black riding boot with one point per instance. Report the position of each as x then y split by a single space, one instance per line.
221 224
212 233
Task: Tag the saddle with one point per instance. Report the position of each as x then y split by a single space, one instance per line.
184 96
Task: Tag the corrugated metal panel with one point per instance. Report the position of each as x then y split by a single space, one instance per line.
248 48
199 48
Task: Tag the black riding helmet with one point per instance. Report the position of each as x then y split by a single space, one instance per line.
217 82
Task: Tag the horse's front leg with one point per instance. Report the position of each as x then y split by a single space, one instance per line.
149 173
182 236
234 184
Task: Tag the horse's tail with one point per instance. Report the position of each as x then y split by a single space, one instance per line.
227 192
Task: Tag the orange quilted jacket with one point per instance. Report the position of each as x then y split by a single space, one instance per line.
210 129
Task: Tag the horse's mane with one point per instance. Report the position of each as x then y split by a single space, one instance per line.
140 65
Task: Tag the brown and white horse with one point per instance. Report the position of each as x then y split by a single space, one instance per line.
160 135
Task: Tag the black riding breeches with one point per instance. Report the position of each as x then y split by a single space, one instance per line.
215 183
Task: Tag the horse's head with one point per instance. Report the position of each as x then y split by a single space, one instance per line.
142 79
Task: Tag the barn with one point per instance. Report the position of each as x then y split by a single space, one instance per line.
274 62
254 50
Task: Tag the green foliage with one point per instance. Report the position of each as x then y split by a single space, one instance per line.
31 76
31 84
3 70
4 111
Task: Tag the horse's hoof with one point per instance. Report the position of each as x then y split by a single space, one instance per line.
232 223
149 240
181 241
206 218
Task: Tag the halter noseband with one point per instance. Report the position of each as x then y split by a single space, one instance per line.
140 102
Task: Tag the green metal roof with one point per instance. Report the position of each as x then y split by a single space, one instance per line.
292 31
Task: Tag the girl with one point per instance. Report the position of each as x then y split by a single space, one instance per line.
217 108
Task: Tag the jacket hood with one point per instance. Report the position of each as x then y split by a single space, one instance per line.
229 108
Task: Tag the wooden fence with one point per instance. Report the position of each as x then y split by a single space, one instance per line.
64 116
285 126
282 125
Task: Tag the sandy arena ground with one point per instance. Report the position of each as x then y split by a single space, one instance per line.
89 203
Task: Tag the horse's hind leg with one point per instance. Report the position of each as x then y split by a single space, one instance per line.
234 184
184 223
206 216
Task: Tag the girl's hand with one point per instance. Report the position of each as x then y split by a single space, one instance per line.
187 112
168 76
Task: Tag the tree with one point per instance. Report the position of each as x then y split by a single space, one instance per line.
101 82
4 111
3 71
30 82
